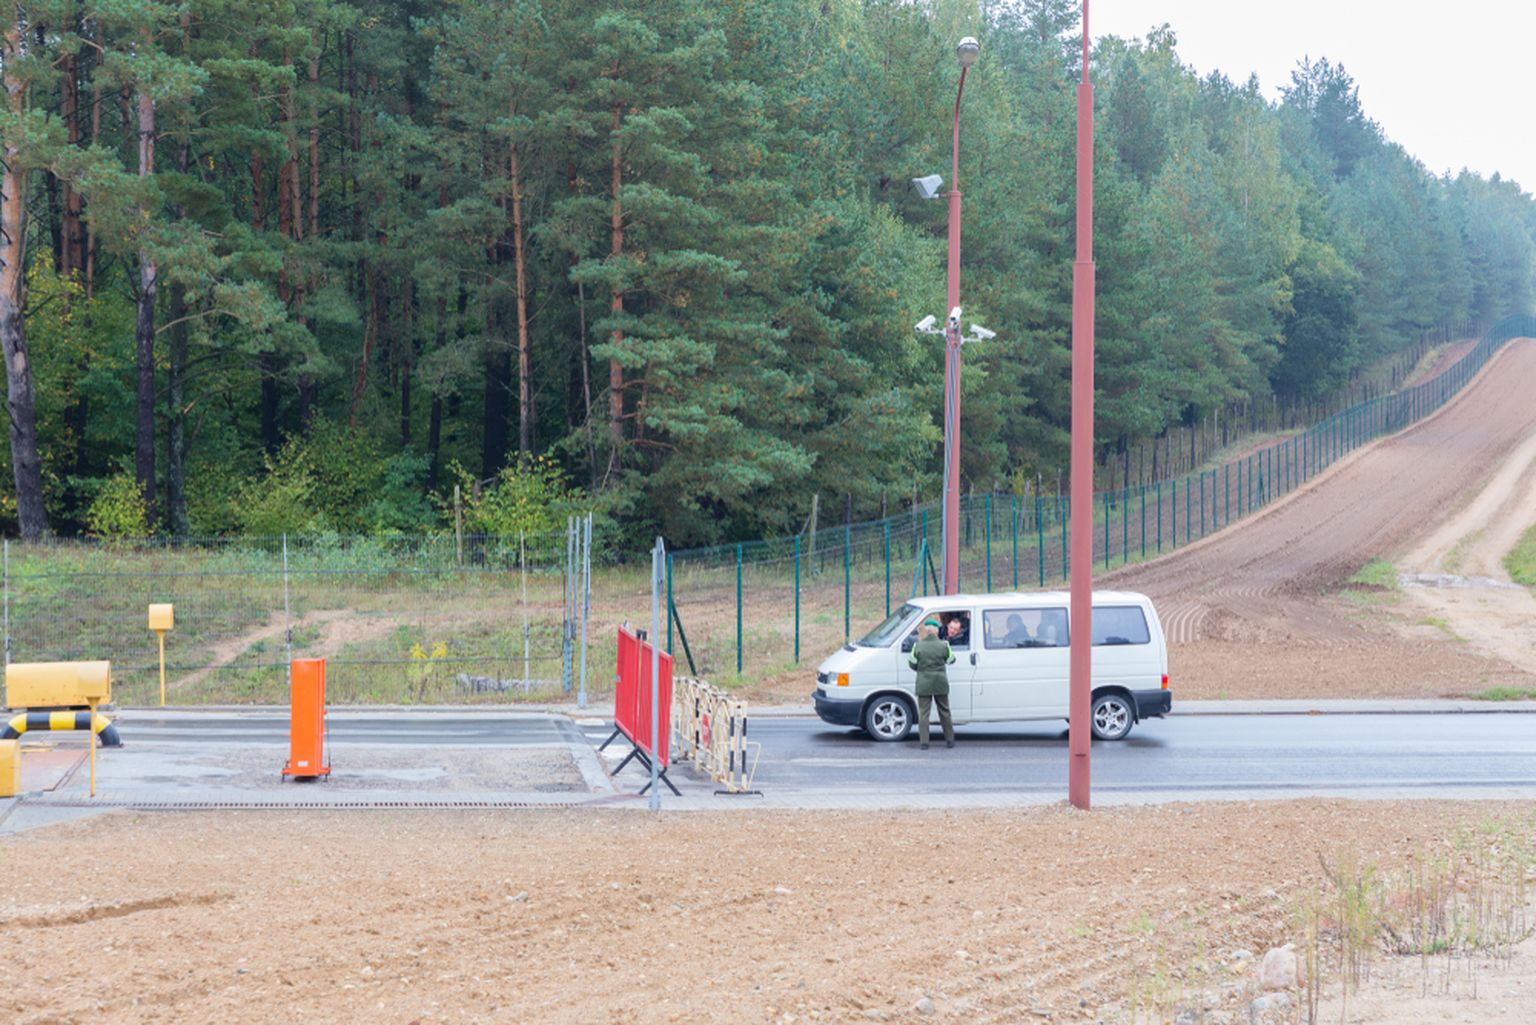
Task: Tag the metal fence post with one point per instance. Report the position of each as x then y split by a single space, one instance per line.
797 597
1106 528
847 544
886 536
1040 534
1173 509
671 602
586 605
1157 496
1125 523
987 533
738 609
287 613
7 602
657 553
1143 489
1063 507
1013 530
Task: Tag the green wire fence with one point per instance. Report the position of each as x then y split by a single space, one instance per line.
768 604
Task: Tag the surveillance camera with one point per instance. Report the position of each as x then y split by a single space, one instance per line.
928 186
926 324
982 333
954 318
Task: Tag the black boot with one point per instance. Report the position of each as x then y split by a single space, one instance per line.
949 743
923 746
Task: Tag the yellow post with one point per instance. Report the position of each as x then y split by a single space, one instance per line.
90 739
161 619
94 690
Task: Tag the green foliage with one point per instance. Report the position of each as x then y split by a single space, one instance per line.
669 249
1521 562
529 497
1377 573
1505 694
118 512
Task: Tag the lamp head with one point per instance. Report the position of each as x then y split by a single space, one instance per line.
967 51
928 186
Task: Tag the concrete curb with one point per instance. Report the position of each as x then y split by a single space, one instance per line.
604 711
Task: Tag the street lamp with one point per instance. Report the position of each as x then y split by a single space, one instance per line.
1080 660
928 187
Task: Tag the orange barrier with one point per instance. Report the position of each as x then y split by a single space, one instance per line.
306 730
632 710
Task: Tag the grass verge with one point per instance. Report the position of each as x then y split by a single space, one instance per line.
1505 694
1521 563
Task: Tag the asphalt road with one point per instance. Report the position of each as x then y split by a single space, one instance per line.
805 762
1258 755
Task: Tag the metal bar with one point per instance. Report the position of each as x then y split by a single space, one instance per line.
886 532
1013 530
586 605
738 610
847 582
657 554
987 533
1040 534
797 594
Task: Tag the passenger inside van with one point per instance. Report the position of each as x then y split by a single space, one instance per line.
957 629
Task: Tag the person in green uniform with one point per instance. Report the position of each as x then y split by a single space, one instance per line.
929 656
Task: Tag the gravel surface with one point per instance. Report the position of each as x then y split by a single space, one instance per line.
552 917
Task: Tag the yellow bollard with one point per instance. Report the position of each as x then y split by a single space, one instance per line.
10 768
161 619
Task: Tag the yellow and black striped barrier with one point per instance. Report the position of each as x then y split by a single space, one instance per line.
65 720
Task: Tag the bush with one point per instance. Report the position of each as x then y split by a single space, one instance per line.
117 512
530 496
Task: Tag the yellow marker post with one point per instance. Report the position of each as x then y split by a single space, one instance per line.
94 691
162 618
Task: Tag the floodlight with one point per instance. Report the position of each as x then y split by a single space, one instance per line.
926 324
928 186
967 50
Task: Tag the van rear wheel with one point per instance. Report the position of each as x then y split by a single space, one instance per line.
888 718
1113 717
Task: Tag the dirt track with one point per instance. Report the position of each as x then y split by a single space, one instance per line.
1254 611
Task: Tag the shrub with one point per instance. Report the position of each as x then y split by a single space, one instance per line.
531 496
117 512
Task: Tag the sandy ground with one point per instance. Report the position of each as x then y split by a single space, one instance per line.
1257 611
1046 914
1456 575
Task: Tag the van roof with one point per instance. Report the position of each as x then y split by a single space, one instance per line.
931 601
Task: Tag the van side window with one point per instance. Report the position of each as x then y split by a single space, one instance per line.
1119 624
1025 628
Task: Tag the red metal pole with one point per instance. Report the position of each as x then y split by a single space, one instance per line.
1081 660
951 511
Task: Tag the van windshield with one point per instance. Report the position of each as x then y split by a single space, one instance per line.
894 626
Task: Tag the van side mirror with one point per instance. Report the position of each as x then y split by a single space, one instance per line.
907 644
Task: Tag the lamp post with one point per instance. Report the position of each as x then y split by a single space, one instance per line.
966 53
1080 724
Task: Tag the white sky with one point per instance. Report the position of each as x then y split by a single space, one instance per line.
1452 83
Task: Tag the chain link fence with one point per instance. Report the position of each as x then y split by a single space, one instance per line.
399 619
760 608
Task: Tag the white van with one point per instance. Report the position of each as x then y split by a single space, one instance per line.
1011 663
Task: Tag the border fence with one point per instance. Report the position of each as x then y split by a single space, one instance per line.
398 619
763 606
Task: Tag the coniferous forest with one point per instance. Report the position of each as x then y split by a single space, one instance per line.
287 265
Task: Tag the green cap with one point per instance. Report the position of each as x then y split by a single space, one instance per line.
931 622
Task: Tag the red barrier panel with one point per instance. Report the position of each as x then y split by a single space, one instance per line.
632 697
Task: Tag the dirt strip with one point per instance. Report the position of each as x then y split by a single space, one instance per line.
1041 914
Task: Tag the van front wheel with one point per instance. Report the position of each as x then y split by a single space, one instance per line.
888 718
1113 717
